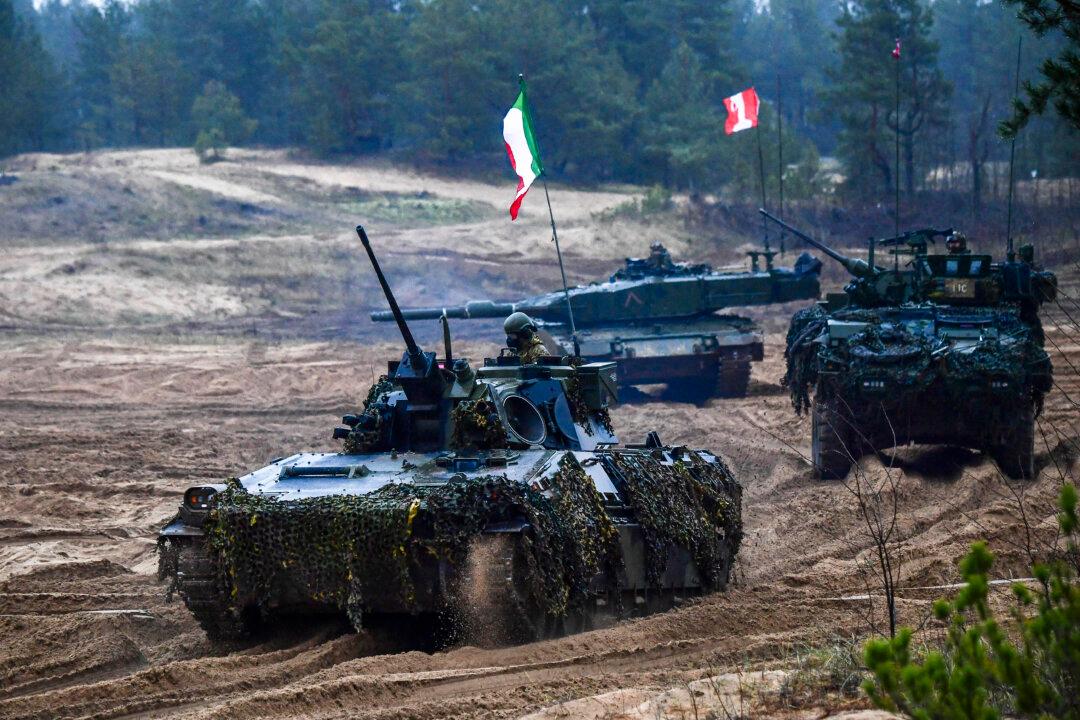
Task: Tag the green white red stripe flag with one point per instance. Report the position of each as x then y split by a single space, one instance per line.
521 147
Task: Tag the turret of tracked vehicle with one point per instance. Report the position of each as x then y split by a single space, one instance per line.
934 348
658 320
490 497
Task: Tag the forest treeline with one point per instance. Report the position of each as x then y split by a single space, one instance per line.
623 90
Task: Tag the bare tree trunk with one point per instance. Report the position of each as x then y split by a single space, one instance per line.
976 134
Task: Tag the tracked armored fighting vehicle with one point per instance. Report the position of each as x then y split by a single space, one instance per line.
932 348
658 320
489 495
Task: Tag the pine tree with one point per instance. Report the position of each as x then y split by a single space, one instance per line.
27 83
344 73
683 125
1061 74
220 120
862 94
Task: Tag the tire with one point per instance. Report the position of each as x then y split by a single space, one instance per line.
1016 457
732 378
204 590
833 449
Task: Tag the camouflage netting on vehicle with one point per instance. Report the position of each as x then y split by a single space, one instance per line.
593 536
913 361
692 504
339 550
477 425
579 409
363 439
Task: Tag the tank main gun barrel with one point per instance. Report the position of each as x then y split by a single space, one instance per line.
415 353
472 309
858 268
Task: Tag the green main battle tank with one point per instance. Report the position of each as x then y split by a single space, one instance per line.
657 320
936 348
490 497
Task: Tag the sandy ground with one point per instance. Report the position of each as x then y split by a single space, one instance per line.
155 363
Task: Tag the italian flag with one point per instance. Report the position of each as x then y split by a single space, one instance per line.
521 147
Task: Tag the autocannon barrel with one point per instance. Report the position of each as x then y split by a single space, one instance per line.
858 268
473 309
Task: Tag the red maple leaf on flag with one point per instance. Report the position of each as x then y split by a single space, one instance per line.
742 111
896 50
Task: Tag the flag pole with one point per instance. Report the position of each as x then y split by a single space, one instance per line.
554 230
761 173
896 215
562 270
780 152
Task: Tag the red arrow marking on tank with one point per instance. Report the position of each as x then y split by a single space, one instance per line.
631 296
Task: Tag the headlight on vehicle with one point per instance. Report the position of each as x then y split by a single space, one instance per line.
199 498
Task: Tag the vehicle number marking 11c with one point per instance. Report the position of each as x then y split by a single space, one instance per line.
960 288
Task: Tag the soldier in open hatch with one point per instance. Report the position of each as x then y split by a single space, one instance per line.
522 339
659 257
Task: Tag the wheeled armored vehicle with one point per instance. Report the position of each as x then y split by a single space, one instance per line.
658 320
939 348
490 497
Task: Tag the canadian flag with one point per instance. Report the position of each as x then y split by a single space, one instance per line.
742 111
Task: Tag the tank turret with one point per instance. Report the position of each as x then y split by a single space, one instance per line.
437 405
644 293
658 320
958 277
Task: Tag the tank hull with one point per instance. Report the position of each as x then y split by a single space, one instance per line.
709 357
201 548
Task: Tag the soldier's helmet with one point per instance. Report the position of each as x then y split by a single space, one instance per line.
517 323
956 243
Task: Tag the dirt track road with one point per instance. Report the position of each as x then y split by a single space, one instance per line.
106 417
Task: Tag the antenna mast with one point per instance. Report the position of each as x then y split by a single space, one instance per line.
780 151
896 179
1012 160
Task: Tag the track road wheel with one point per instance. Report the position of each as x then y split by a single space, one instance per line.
832 446
1016 457
206 594
732 378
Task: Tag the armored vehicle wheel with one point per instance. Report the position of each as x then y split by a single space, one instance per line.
204 591
732 378
833 444
1016 457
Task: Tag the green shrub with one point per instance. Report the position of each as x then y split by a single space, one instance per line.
982 673
220 120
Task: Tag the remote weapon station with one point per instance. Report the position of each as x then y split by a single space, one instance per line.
488 497
940 348
658 320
